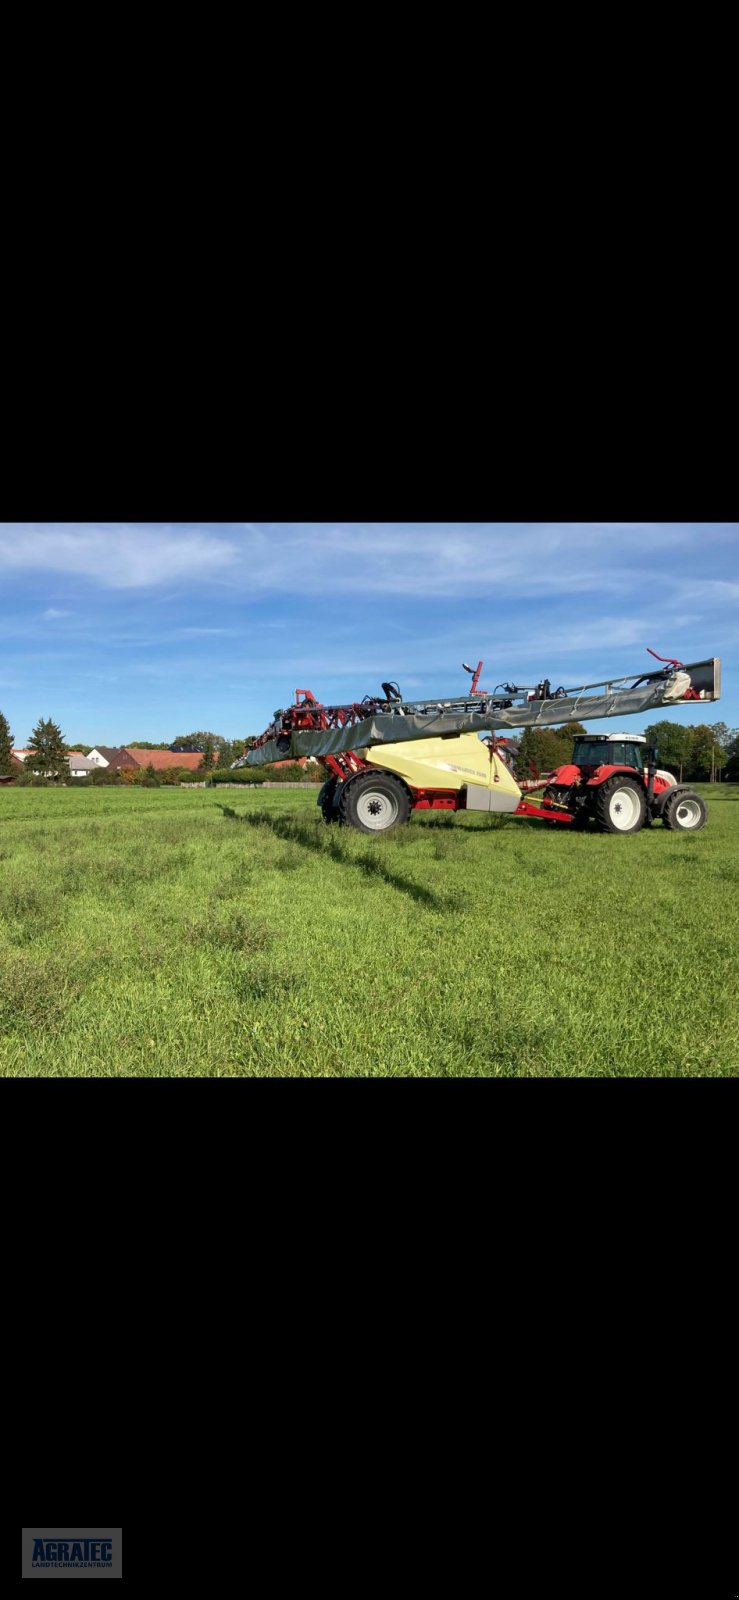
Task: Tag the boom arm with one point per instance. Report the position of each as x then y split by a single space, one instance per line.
310 729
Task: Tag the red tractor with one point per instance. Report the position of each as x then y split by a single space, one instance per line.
609 782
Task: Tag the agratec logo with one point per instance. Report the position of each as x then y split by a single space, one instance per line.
72 1552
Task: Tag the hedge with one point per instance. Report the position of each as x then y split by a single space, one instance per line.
290 774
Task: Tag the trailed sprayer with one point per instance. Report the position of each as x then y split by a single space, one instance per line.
385 757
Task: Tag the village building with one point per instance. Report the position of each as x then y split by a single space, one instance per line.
80 766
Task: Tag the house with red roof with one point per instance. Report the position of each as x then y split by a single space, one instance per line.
165 760
132 756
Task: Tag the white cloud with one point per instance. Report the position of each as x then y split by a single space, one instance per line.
710 589
117 556
52 613
432 561
198 633
439 561
616 562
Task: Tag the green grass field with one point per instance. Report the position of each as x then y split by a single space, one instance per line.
145 933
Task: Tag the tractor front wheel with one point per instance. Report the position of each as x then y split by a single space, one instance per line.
685 811
374 802
620 806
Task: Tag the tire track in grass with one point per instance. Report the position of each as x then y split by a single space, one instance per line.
371 866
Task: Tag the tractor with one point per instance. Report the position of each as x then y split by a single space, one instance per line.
614 780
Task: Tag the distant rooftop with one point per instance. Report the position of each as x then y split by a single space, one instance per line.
162 760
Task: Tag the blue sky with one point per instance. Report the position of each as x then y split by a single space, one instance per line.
123 631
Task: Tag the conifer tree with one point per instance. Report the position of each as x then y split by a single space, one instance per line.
47 751
6 746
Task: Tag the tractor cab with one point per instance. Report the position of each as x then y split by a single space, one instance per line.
594 750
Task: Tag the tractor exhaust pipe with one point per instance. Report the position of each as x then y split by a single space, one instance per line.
651 771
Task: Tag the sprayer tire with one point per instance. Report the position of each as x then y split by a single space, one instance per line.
374 802
325 800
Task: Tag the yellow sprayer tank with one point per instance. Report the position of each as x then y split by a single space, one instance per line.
453 762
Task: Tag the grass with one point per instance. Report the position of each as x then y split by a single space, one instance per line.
155 933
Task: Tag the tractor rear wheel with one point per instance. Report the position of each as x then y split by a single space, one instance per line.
620 805
684 811
374 802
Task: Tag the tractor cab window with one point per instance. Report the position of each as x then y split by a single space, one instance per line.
614 753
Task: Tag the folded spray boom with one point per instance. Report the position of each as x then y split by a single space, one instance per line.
309 728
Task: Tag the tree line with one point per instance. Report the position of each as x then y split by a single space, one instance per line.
48 750
701 753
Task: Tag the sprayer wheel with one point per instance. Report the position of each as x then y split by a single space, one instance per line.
325 800
374 802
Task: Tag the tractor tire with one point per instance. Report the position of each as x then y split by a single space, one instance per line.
684 812
325 800
374 802
620 805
